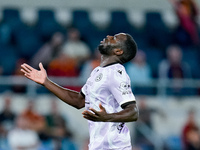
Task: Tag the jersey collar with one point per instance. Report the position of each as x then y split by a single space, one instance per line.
111 64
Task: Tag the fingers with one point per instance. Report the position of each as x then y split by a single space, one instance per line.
26 66
26 74
25 69
101 107
41 66
90 116
93 110
86 112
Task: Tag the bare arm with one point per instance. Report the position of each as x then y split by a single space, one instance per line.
128 114
68 96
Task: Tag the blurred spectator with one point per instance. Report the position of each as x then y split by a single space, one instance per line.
193 139
74 47
174 68
64 66
187 13
56 122
22 137
35 121
144 125
57 130
144 121
190 132
48 51
6 117
89 65
140 73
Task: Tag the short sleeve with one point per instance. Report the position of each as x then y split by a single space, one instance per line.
83 90
120 87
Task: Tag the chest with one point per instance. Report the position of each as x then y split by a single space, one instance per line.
96 89
95 82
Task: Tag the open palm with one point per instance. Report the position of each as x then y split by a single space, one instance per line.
39 76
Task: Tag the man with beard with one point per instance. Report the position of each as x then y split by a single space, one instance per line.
106 96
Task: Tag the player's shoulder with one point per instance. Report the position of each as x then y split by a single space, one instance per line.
116 70
96 69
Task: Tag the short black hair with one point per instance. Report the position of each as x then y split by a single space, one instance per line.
129 47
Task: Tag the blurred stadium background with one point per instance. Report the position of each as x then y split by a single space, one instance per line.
27 25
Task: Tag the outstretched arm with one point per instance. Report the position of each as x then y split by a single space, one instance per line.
68 96
128 114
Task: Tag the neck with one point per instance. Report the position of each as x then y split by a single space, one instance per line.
106 60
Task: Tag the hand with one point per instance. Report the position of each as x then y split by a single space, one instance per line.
101 115
39 76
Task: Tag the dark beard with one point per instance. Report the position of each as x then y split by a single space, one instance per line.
105 50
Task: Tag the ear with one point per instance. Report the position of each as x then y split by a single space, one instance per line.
118 51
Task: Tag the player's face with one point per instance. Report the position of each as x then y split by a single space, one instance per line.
110 42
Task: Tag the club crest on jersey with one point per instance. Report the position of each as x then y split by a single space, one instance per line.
99 77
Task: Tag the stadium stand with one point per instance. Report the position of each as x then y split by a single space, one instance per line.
19 40
153 36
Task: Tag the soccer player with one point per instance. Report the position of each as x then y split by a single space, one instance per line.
106 96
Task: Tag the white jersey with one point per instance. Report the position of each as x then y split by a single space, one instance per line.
111 87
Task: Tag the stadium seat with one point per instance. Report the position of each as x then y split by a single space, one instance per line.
5 34
154 57
120 23
157 33
192 57
82 22
28 42
181 37
47 25
12 18
11 15
96 35
89 32
8 59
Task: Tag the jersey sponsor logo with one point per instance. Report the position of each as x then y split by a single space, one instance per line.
99 77
125 88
